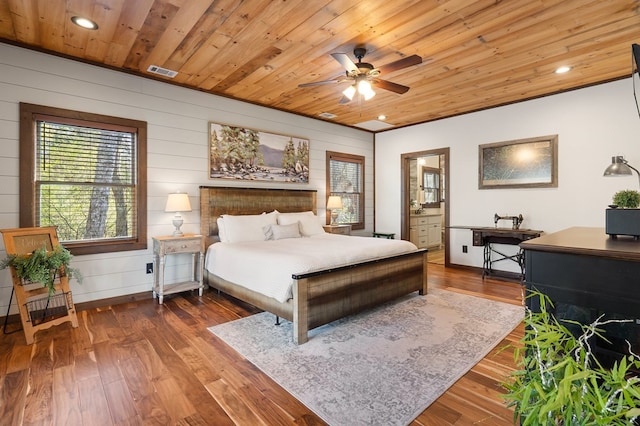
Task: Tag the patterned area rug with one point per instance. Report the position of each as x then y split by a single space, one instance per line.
382 367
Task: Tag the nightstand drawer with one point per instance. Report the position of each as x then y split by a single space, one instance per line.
186 245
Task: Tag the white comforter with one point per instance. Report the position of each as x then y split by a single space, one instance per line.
266 266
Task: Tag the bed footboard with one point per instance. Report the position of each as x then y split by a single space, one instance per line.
325 296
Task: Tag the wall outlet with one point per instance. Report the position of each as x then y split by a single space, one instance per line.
149 268
465 249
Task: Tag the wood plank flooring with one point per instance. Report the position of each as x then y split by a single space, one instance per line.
436 255
143 363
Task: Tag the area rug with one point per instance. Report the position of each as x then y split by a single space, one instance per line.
381 367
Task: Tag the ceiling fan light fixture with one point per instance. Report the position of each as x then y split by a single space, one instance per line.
364 88
368 95
349 92
361 74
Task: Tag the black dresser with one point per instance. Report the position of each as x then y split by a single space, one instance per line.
585 273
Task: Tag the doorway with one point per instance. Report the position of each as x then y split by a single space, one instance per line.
425 202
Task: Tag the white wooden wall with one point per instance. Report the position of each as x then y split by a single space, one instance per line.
177 151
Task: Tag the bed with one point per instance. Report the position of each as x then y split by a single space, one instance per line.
318 296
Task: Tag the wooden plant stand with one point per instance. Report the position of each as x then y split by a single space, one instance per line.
39 310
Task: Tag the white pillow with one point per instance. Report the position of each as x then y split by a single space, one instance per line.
247 227
221 231
309 223
280 232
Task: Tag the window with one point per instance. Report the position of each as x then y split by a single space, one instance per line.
345 178
86 174
431 187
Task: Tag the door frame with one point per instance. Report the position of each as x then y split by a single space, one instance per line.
404 191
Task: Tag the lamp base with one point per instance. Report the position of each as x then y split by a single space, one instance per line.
177 222
334 217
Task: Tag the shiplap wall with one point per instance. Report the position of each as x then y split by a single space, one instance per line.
177 152
593 124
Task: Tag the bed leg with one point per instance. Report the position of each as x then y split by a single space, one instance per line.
424 289
300 312
277 320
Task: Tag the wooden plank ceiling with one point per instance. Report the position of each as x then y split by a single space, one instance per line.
476 53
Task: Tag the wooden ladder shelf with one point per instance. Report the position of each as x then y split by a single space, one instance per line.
38 308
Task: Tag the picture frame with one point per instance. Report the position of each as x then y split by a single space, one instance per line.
241 153
522 163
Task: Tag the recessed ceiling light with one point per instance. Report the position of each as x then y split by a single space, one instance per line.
563 69
84 23
382 117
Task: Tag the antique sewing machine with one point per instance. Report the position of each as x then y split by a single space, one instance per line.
516 220
489 237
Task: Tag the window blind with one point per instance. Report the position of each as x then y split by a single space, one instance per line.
85 179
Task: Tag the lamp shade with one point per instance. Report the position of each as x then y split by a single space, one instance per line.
364 88
178 202
618 167
349 92
334 202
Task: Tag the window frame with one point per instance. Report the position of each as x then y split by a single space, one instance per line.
27 198
348 158
437 188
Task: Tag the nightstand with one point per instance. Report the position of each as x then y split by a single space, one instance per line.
165 246
338 229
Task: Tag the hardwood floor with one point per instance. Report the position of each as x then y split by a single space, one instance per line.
144 363
436 255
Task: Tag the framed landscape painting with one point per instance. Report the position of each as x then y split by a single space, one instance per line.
246 154
523 163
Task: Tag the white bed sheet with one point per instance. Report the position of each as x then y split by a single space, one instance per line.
266 266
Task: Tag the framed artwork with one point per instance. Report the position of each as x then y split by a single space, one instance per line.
240 153
523 163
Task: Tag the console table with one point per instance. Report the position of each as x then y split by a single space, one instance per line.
585 274
487 237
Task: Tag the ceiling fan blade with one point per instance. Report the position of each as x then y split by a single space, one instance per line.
321 83
400 64
345 61
388 85
344 100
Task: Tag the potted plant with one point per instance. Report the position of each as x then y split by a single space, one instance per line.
627 198
560 382
42 266
623 216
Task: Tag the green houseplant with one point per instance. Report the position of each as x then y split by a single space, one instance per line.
627 198
42 266
560 382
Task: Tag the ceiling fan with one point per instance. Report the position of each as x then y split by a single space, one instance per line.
362 75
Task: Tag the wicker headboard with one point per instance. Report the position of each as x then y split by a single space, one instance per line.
216 201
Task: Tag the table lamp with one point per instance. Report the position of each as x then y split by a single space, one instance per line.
334 203
620 167
178 202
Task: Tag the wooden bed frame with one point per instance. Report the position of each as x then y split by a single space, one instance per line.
318 297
